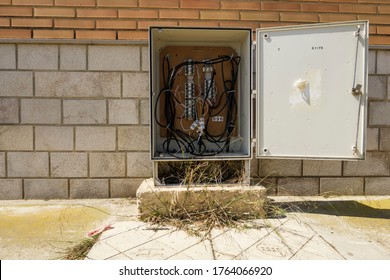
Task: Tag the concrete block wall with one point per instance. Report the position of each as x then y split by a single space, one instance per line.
74 123
73 120
368 177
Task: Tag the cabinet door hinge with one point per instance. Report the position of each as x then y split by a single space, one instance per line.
253 94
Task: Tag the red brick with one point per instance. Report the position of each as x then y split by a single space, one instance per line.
96 34
16 12
372 29
299 17
374 19
374 1
74 23
33 2
242 24
116 24
382 9
117 3
54 12
275 24
97 13
337 17
318 7
32 22
240 5
73 3
356 8
15 33
339 1
133 35
279 6
138 14
53 34
262 16
219 15
379 40
197 23
383 29
180 14
5 22
159 3
144 24
201 4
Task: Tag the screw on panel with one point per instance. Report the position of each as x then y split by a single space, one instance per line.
355 150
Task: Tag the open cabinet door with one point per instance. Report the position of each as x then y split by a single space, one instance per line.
311 86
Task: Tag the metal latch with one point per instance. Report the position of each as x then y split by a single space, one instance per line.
357 90
253 142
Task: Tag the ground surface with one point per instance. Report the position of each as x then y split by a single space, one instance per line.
305 228
44 229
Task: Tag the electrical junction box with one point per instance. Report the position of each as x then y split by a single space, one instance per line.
200 83
310 92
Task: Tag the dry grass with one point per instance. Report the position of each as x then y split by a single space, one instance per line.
81 249
212 215
199 211
189 173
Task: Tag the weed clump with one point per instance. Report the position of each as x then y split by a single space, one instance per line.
207 195
202 172
202 211
81 249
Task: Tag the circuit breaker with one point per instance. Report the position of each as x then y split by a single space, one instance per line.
310 92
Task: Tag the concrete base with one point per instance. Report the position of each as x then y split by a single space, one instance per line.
238 201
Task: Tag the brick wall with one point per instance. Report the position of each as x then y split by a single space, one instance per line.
129 19
74 113
73 120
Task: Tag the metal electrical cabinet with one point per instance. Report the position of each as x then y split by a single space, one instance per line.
310 92
190 45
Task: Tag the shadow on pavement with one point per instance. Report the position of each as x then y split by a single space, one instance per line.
349 208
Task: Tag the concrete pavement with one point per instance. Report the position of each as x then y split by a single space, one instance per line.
327 229
305 228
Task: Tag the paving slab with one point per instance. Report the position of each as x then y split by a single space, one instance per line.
200 251
316 249
186 245
131 238
103 251
228 244
233 243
